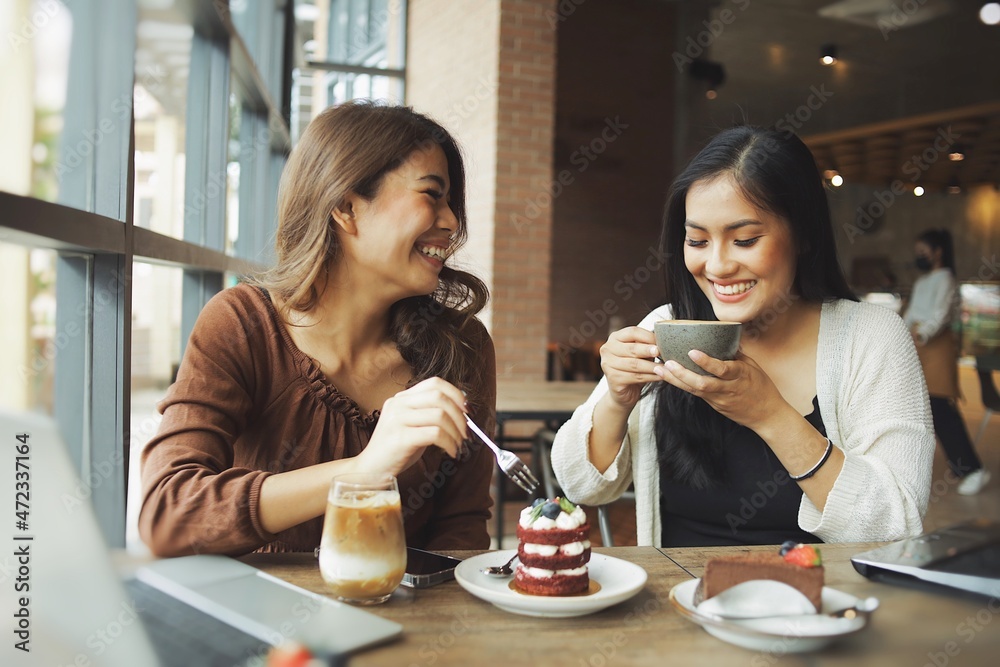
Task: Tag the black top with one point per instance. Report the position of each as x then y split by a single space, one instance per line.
758 504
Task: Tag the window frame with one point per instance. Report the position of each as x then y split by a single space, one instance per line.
92 226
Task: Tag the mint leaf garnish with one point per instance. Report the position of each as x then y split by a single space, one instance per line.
566 506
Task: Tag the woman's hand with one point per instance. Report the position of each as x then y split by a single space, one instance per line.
740 390
431 412
627 362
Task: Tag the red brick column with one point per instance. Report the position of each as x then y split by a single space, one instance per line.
524 187
487 70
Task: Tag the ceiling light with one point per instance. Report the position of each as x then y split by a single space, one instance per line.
828 54
957 153
953 187
990 13
711 94
837 180
918 191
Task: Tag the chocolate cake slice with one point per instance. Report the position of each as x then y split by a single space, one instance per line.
725 572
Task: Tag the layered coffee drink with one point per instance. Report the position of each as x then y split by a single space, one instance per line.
363 550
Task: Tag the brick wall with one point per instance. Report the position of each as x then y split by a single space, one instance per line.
523 233
486 70
614 152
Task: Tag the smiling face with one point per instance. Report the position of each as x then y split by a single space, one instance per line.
399 239
742 258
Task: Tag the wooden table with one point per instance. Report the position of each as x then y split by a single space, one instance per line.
540 401
551 403
445 625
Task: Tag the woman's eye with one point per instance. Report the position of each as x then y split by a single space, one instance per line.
696 244
746 243
434 194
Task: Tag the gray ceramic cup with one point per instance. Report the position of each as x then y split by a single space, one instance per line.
675 338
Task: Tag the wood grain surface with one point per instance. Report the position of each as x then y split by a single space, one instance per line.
444 625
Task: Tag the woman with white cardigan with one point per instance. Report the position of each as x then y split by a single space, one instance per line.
819 430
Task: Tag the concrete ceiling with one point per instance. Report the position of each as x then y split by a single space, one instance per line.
906 68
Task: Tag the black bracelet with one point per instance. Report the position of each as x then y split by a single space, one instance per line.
810 473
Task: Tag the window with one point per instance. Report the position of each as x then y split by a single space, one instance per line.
162 64
29 338
34 76
104 288
355 49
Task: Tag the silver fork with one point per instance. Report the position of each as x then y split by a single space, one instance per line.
508 461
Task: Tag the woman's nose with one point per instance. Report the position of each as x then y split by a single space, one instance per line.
447 220
719 263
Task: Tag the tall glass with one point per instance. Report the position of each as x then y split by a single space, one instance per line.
362 555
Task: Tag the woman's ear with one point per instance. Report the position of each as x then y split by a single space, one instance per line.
343 216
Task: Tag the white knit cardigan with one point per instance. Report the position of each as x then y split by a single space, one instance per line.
873 401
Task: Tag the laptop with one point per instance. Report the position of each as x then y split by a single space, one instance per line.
965 557
67 605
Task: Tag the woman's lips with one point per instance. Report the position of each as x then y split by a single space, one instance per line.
734 291
432 254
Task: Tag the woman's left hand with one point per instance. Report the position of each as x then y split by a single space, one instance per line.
740 390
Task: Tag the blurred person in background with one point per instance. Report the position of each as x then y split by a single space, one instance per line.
931 313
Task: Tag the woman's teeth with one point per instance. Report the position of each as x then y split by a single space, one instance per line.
433 251
735 288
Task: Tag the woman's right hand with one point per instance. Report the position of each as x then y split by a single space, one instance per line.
627 362
431 412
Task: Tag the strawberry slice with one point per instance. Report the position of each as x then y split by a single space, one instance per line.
804 555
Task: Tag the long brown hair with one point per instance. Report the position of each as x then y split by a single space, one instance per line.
347 149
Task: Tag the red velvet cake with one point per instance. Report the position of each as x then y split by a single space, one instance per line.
553 549
798 566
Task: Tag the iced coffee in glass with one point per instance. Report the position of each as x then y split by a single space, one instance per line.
362 555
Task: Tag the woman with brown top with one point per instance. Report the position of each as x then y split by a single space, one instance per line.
351 355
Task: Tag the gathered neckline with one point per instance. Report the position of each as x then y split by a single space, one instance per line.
318 383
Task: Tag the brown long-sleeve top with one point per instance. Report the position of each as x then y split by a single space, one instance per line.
248 403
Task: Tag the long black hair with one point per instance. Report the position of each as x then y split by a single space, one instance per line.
940 239
775 172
